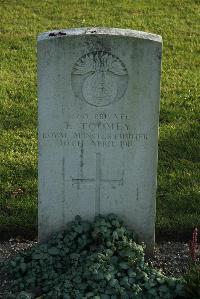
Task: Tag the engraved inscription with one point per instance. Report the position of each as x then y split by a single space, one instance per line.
99 78
100 130
98 181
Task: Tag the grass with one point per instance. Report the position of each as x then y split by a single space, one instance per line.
178 196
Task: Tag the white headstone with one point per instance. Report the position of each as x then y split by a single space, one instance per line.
98 127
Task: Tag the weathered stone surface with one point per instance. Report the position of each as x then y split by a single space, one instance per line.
98 126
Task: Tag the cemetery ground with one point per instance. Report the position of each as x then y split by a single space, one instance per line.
178 207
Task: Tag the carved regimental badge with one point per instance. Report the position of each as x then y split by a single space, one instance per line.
99 78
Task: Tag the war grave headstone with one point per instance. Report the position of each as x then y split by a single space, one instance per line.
99 93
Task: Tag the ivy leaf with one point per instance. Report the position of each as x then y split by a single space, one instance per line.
53 251
124 265
23 267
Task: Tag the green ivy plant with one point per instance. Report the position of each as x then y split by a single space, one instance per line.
192 282
98 260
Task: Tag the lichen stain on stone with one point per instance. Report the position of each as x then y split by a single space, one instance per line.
81 159
60 33
159 53
137 193
63 189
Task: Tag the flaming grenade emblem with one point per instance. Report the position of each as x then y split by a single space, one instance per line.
99 78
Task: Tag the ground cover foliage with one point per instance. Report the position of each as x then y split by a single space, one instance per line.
192 281
178 172
89 260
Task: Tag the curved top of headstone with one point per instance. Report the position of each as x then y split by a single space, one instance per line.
99 31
